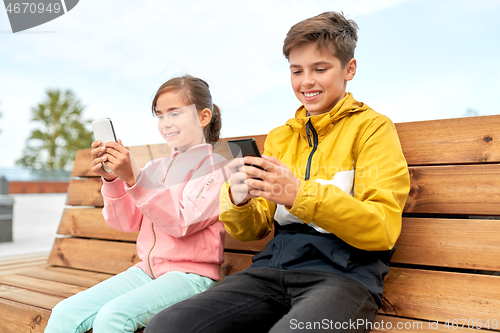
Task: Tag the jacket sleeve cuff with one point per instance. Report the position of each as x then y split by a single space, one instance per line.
299 208
114 188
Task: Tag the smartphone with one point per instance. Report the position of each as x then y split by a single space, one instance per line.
104 132
244 147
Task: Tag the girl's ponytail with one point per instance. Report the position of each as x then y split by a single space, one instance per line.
212 130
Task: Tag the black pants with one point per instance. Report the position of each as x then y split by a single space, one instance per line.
272 300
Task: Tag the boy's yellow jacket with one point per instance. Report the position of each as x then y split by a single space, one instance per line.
346 217
350 137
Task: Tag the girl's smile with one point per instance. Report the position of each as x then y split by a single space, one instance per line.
171 134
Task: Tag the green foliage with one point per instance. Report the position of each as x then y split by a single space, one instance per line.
60 132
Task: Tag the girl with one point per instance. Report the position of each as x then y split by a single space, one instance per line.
172 202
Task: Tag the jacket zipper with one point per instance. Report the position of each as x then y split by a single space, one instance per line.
149 255
168 168
315 147
153 227
207 185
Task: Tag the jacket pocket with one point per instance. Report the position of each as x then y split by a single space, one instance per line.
197 191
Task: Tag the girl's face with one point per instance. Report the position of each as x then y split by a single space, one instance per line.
178 123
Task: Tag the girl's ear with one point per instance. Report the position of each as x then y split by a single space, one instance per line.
205 115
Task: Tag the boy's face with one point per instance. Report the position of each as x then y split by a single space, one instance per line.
318 79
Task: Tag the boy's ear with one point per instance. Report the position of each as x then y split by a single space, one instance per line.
205 115
350 69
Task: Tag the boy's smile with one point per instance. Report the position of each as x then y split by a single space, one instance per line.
318 79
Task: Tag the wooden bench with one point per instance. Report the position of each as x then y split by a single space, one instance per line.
442 271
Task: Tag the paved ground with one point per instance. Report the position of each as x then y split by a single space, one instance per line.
36 218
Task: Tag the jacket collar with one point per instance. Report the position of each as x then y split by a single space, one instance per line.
323 123
204 148
191 159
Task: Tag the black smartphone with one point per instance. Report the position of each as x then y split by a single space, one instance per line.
243 147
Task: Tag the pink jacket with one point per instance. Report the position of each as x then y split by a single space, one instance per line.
175 207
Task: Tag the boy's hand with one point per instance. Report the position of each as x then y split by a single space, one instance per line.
277 184
118 159
97 156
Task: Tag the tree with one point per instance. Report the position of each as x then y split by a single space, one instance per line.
61 131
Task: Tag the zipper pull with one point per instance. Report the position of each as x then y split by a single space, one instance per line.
308 134
206 186
168 168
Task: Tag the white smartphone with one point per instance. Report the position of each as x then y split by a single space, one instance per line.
104 132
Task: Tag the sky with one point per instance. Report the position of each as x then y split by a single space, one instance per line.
417 60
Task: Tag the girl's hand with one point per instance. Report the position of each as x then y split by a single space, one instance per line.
238 192
118 159
97 156
277 184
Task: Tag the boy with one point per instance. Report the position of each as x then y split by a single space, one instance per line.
334 183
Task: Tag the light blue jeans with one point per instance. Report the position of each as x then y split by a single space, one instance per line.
125 302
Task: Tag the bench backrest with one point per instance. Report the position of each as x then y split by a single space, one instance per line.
446 255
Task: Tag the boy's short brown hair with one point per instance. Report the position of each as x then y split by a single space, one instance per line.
328 30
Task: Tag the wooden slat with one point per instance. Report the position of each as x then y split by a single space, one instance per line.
22 269
451 141
19 263
446 141
472 244
79 272
441 296
81 168
93 255
7 262
235 262
66 275
19 318
29 297
89 222
462 189
40 285
441 242
85 192
143 154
